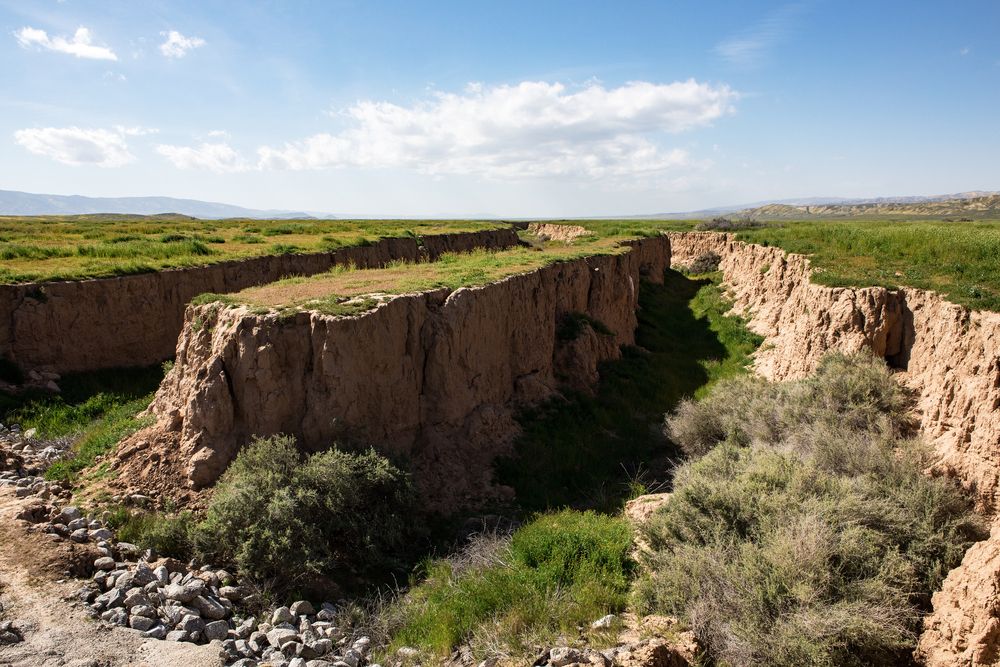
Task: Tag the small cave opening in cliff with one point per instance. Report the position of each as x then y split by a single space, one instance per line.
596 450
901 336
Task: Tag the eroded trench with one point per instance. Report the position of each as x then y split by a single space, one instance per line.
440 378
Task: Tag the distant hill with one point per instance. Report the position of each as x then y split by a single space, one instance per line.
833 206
976 205
26 203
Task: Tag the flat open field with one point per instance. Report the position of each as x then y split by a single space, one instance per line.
90 246
958 259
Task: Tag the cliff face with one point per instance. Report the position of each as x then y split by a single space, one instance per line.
948 355
433 378
135 320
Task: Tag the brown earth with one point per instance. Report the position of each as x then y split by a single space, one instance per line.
38 595
949 356
433 377
557 232
69 326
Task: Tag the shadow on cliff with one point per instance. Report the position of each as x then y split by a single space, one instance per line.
585 450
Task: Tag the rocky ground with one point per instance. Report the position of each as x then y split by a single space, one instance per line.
71 594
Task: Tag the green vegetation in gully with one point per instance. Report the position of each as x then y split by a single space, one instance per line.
570 448
959 259
803 530
95 409
508 595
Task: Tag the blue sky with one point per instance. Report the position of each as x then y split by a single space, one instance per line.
513 108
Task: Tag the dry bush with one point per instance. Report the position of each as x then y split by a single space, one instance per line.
804 531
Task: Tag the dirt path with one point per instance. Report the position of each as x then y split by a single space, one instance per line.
37 592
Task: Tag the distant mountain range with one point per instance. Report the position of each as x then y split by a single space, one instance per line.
26 203
976 204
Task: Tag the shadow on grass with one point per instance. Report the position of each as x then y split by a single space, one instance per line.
595 451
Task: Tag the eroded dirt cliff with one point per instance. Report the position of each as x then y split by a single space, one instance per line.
134 320
948 355
432 378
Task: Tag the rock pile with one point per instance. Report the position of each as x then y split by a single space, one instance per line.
22 455
167 599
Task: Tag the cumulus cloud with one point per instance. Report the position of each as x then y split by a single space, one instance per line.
77 146
217 157
530 129
80 45
177 45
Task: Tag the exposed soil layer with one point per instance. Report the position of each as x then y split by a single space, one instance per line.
949 356
432 378
134 320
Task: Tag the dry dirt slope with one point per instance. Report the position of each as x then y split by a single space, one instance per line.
37 595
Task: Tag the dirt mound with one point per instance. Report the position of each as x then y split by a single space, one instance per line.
554 232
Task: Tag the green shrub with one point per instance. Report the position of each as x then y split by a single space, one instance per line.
855 395
294 520
806 532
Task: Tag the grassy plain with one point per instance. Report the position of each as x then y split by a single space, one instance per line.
959 259
76 247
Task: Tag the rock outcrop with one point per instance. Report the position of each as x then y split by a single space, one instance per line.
949 356
433 377
68 326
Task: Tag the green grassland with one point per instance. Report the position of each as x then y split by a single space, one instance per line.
959 259
77 247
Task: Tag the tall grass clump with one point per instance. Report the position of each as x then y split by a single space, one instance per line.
804 532
504 596
301 521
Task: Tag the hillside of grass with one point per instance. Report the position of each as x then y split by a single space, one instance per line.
957 259
77 247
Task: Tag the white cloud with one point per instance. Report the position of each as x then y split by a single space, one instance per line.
177 45
526 130
135 130
217 157
81 45
964 51
77 146
751 46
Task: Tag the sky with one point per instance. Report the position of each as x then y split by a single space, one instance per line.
540 108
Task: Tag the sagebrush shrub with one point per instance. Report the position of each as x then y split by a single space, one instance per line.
705 263
803 531
282 516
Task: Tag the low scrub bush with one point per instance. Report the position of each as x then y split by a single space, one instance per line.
728 225
851 395
805 532
705 263
301 521
504 596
